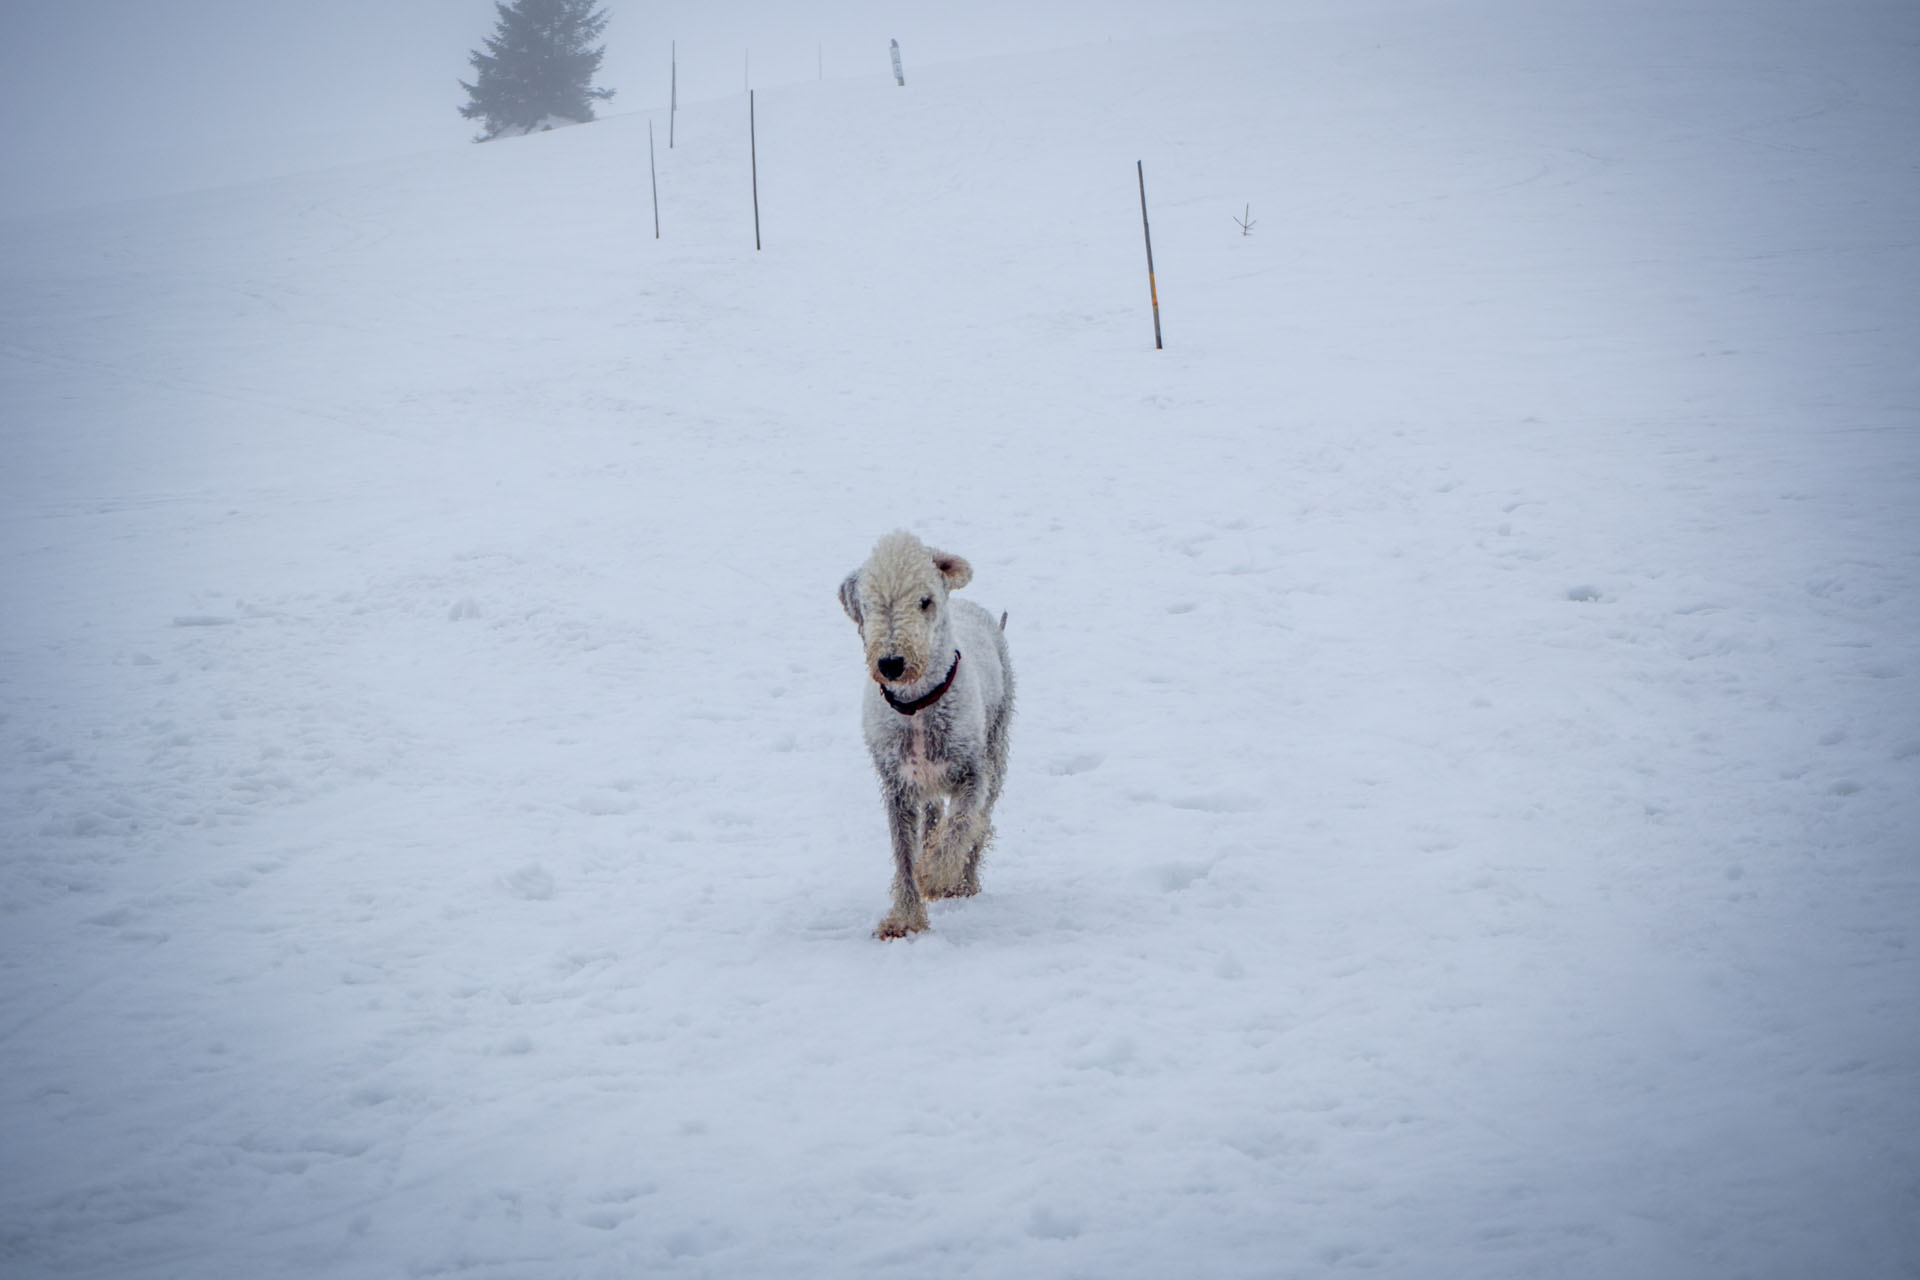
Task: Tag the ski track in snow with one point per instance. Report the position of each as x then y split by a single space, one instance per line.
1467 771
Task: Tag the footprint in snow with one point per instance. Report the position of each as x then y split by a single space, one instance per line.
531 884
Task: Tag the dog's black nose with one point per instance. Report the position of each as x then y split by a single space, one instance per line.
891 667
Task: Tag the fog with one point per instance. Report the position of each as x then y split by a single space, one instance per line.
120 99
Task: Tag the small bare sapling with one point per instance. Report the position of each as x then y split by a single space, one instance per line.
1246 222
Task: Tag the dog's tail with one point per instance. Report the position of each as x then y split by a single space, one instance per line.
1003 621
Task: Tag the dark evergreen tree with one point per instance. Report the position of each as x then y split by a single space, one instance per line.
539 63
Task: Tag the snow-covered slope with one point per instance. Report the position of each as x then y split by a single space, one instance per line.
1467 782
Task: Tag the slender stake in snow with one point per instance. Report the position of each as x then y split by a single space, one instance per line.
653 174
753 153
899 76
1153 290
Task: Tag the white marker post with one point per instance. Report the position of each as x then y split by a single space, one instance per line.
899 76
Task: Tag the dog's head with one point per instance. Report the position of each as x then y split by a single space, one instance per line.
898 599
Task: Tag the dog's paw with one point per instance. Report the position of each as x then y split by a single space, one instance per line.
945 877
960 888
898 925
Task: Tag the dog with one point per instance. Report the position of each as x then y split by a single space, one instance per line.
934 716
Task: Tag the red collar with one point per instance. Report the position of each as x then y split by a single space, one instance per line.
925 700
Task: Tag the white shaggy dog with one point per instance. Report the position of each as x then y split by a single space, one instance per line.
935 718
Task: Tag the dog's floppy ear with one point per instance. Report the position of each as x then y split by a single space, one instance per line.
850 596
957 572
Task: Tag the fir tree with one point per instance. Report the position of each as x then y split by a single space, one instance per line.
539 64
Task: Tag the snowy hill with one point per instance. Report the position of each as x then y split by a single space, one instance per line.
1466 786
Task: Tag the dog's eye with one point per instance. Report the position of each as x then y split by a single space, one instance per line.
926 604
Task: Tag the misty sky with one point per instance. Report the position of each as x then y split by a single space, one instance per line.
117 99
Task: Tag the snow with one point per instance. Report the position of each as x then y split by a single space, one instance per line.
1467 772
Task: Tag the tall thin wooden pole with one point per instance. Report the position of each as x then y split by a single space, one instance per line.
1153 289
654 174
753 152
673 91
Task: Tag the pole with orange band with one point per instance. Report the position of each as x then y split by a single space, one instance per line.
1153 289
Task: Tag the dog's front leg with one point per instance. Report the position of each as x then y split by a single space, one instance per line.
956 838
909 914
